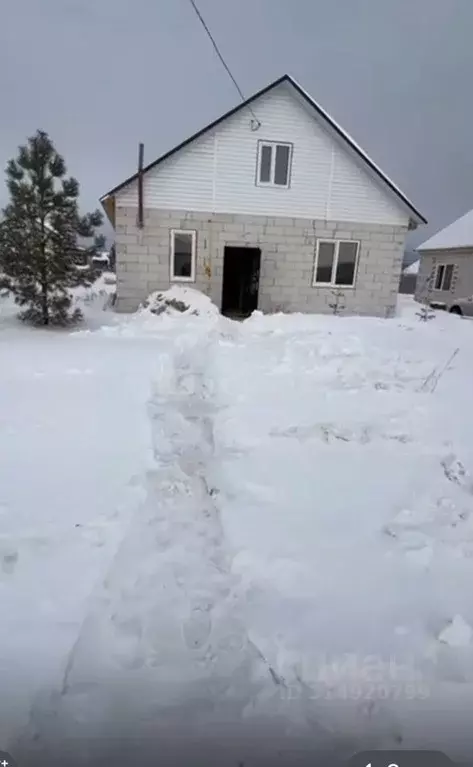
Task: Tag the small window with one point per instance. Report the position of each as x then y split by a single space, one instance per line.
448 276
183 255
444 276
346 263
439 277
265 164
274 163
335 262
281 165
325 262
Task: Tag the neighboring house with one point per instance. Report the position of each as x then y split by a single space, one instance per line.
82 256
99 263
409 278
410 256
272 206
446 264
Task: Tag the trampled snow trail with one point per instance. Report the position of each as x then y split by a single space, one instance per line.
164 653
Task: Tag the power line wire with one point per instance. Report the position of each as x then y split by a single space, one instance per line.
227 68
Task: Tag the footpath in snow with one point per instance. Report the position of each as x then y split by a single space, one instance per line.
296 567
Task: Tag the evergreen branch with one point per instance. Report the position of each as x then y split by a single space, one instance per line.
39 233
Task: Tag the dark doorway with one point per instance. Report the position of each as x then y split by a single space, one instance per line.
241 268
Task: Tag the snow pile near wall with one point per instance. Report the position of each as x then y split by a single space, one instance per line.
180 309
179 300
99 295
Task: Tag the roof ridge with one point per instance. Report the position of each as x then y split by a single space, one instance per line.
457 234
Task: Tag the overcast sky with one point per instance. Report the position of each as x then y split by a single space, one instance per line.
102 75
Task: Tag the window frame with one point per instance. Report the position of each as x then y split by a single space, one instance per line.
172 276
438 267
332 283
274 145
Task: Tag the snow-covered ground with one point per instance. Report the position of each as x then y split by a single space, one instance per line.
235 530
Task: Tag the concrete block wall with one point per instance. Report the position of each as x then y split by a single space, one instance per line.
287 259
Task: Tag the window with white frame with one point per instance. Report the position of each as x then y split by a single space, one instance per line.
335 262
183 255
274 164
444 276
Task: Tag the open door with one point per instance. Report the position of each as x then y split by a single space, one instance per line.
241 270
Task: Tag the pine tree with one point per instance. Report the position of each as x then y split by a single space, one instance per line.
39 234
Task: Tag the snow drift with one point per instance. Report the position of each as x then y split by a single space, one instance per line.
179 300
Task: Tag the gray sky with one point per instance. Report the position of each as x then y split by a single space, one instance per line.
101 75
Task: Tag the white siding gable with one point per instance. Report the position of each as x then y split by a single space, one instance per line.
182 182
355 193
217 172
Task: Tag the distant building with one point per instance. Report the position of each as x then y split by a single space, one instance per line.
99 263
446 263
408 279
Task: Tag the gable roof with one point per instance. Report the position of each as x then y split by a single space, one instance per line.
412 268
459 234
343 135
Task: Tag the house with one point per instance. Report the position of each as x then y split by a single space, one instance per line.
101 261
83 256
446 264
97 260
410 270
272 206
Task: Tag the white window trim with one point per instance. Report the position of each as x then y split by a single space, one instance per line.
273 145
332 283
177 278
441 289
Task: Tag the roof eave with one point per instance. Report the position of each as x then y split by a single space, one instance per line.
415 215
108 204
442 248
